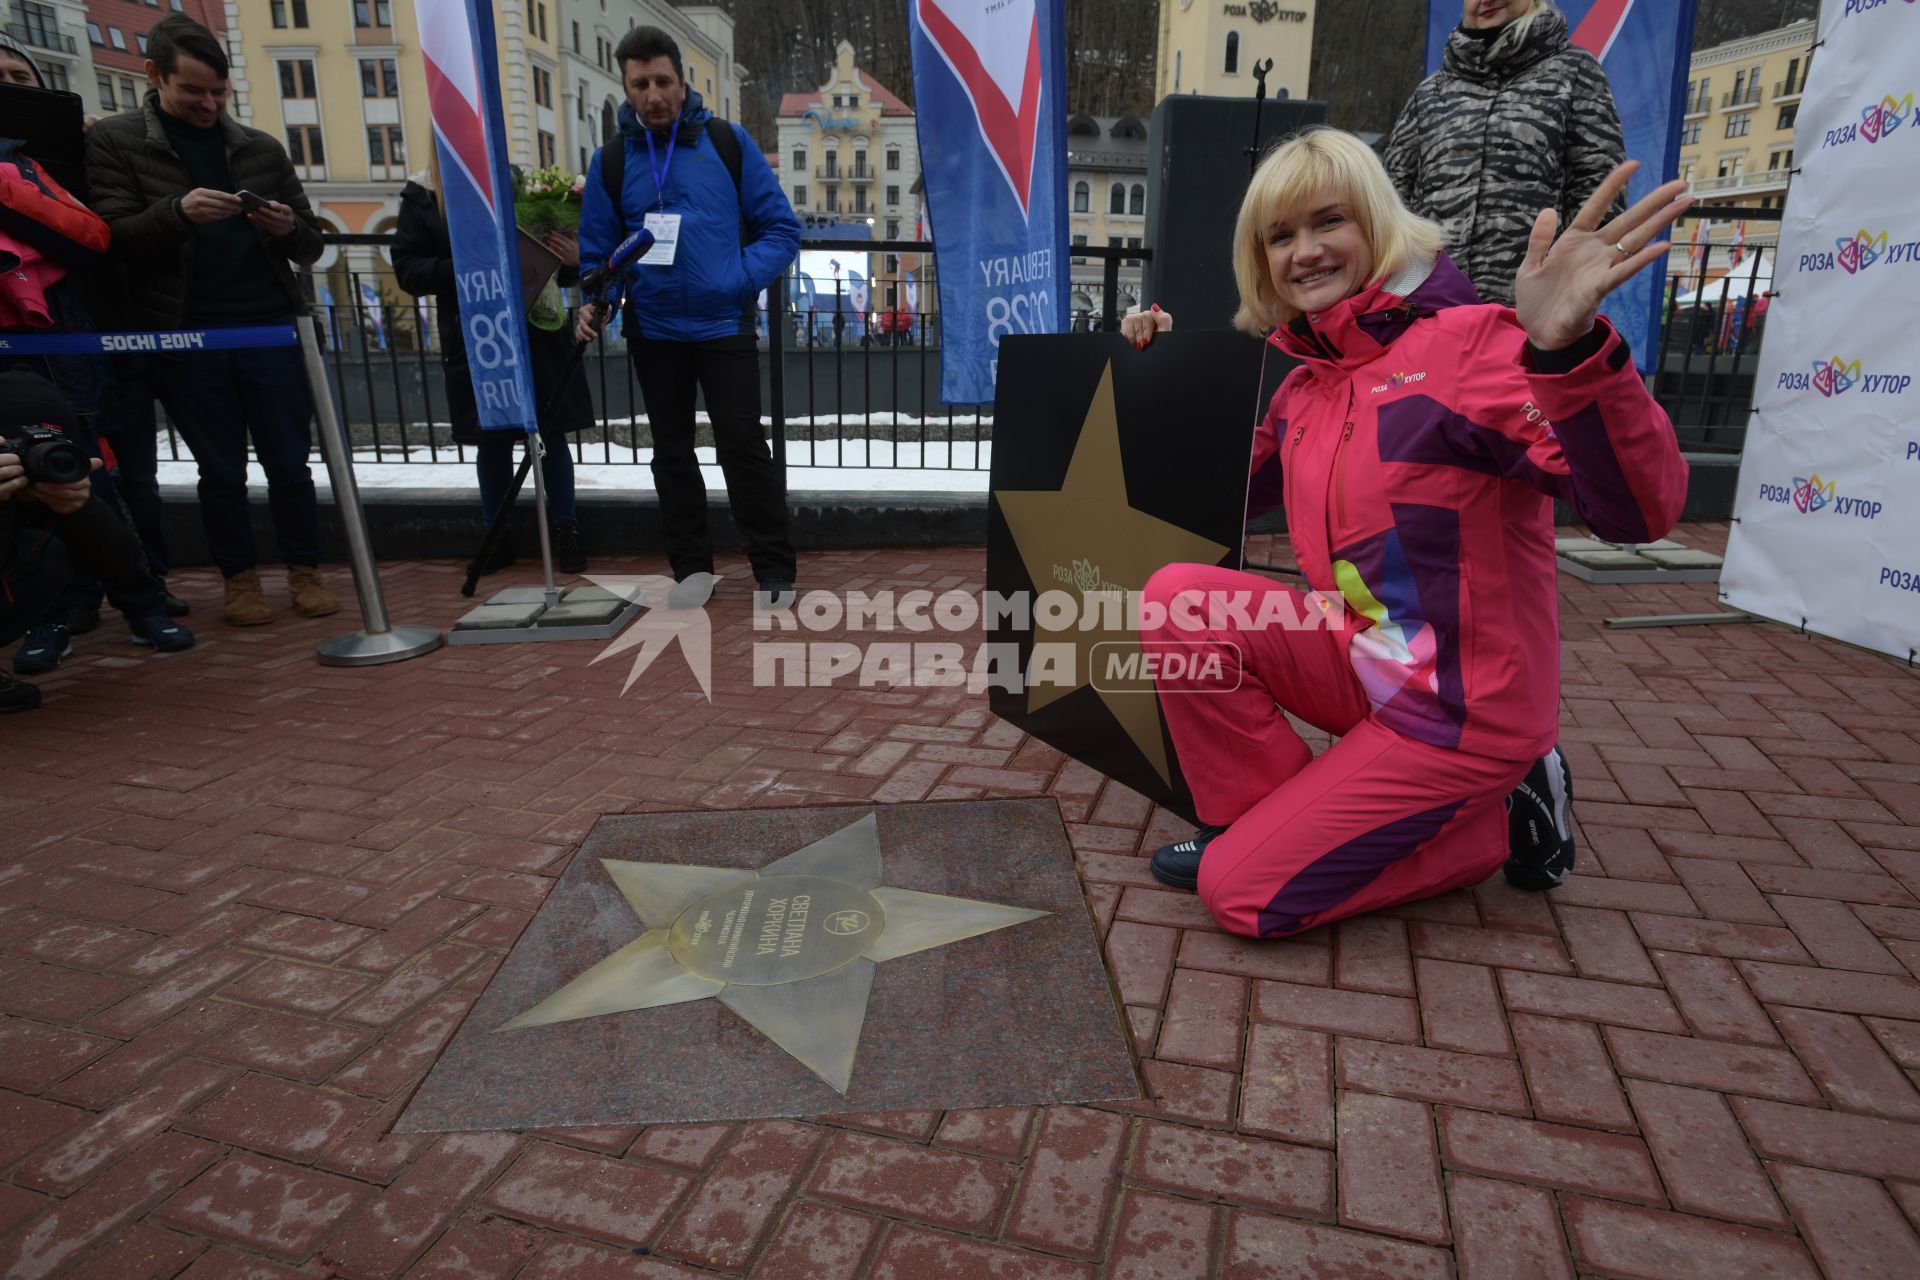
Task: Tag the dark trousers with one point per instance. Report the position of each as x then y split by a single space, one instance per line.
136 448
220 399
727 372
42 559
493 463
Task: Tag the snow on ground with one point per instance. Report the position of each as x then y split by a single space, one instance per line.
822 466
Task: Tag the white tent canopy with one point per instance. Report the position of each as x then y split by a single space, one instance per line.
1747 278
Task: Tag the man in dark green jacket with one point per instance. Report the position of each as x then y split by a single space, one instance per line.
167 179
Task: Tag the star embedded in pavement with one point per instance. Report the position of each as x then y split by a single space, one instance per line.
1087 537
791 947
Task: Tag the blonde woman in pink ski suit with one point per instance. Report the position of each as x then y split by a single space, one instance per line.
1418 451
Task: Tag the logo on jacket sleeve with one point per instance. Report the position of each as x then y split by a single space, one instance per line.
1399 380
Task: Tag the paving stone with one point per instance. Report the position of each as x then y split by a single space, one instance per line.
1251 1171
264 1205
1848 1063
889 1177
1711 1064
1262 1248
1852 1226
1702 1155
592 1195
735 1206
819 1242
1575 1159
1162 1238
1568 1074
1389 1168
1460 1007
1625 1240
1832 1139
911 1253
1061 1203
1506 1231
1287 1088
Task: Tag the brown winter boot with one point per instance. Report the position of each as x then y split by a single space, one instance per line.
246 603
311 599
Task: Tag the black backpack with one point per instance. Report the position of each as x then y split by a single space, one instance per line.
613 168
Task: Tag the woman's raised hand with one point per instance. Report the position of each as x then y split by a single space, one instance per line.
1562 283
1138 327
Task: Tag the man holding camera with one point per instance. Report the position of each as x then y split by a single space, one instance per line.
52 524
210 215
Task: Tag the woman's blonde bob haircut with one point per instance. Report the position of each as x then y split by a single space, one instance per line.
1319 167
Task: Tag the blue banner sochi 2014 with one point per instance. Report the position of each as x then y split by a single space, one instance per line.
476 195
989 79
1644 46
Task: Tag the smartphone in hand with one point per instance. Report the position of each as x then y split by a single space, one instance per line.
249 201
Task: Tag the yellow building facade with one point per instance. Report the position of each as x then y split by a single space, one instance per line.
1736 133
1210 47
343 85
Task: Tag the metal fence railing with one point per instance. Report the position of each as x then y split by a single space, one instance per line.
1715 314
850 372
852 379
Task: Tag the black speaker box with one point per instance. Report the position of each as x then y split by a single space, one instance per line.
1197 154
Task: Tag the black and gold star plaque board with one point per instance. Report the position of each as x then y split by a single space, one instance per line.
709 966
1107 464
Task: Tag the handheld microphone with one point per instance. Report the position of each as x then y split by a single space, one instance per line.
600 279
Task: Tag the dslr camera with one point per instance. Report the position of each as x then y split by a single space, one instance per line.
46 454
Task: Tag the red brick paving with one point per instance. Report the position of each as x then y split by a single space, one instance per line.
246 899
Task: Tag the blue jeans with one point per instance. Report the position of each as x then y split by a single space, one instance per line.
220 399
493 460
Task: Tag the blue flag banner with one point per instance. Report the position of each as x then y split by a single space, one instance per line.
476 195
1644 47
990 80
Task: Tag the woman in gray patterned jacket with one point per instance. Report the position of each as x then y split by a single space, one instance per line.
1515 121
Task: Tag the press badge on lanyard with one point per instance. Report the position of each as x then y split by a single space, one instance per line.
665 226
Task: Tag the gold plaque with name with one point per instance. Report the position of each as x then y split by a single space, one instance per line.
790 948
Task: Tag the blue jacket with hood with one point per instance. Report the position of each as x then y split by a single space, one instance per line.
733 243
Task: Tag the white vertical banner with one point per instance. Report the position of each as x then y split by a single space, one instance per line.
1827 532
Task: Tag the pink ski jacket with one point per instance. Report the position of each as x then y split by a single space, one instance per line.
1418 452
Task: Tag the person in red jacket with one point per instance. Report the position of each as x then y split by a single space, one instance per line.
1418 450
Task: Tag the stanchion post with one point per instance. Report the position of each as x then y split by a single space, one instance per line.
379 642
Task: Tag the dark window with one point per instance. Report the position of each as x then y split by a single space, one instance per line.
372 13
41 25
1136 199
893 158
1117 199
1081 194
893 195
379 78
296 78
1233 53
1789 114
304 146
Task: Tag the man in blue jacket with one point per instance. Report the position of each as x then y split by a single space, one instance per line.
723 232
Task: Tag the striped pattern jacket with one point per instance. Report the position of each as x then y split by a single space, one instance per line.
1498 134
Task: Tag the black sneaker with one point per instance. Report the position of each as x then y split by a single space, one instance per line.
567 555
173 604
1178 865
161 632
17 695
42 649
1540 825
774 593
